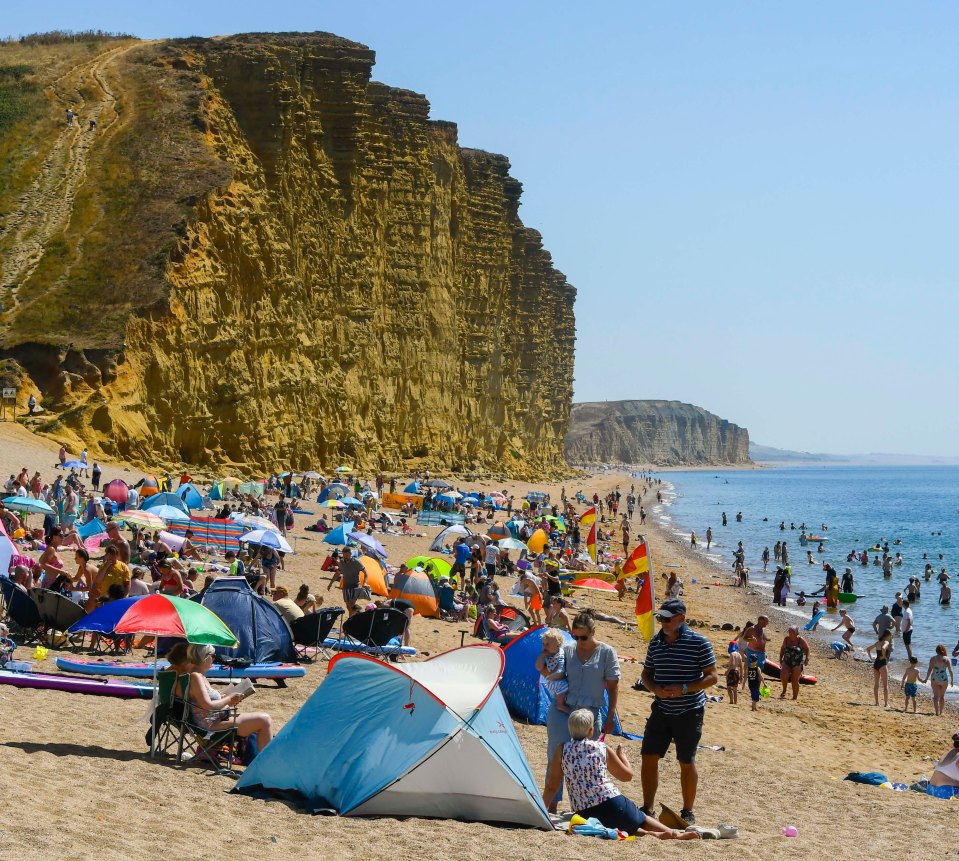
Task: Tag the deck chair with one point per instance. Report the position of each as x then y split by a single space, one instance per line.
311 630
374 629
166 717
22 613
515 620
205 746
57 614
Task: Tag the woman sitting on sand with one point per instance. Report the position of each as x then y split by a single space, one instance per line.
210 709
588 767
557 615
946 772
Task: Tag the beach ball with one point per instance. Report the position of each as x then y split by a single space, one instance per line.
790 831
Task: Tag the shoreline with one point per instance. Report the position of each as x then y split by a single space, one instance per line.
758 596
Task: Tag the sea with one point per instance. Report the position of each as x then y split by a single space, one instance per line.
854 507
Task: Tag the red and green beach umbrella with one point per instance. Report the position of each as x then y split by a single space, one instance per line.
166 616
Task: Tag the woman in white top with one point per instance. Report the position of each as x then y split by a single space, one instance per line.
589 768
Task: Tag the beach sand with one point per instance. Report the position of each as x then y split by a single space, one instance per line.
77 782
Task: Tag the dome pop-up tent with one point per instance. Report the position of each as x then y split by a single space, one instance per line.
523 690
420 739
262 632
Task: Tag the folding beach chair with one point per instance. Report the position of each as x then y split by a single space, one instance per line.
207 747
21 612
57 614
166 716
311 630
374 629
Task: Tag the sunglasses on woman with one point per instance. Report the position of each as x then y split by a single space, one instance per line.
581 637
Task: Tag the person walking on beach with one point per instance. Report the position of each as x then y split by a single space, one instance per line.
766 558
906 627
910 684
680 665
939 676
709 536
883 649
846 621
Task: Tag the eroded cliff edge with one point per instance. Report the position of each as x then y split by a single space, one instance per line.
352 285
657 433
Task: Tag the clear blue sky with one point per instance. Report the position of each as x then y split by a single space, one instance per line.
757 202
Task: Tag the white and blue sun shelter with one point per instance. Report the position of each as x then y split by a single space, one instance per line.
431 739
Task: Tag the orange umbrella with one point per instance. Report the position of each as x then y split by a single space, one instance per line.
375 576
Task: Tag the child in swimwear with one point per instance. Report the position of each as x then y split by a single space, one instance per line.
754 678
910 684
734 673
552 667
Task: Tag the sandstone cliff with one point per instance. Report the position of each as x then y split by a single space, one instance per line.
332 277
657 433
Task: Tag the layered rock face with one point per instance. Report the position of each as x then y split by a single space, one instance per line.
657 433
361 289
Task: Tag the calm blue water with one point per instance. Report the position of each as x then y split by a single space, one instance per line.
861 506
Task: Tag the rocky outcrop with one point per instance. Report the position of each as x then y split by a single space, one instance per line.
359 288
655 433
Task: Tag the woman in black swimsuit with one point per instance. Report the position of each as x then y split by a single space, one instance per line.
883 649
793 656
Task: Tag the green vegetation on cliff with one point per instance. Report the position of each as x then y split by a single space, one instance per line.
262 256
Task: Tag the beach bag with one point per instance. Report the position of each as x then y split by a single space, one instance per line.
869 778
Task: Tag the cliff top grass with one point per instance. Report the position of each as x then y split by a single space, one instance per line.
145 169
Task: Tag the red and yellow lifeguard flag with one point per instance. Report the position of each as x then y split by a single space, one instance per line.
638 565
588 518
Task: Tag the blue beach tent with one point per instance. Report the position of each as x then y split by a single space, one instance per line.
190 495
412 487
431 738
340 535
263 634
523 690
164 499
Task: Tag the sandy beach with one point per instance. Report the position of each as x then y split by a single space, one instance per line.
78 783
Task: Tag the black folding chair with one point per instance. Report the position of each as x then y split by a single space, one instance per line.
22 613
311 631
58 613
373 629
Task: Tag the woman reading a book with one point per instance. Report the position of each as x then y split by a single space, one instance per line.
211 709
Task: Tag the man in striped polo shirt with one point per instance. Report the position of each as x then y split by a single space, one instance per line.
680 665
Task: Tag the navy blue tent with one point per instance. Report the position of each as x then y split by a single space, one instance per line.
263 633
526 696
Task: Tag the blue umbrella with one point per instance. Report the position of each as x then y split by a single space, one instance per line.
27 504
169 513
104 619
351 500
333 491
164 499
340 535
369 542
